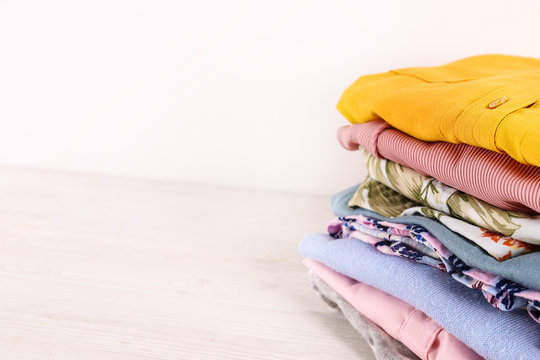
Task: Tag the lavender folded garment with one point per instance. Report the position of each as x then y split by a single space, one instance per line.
420 333
523 269
493 177
384 346
458 309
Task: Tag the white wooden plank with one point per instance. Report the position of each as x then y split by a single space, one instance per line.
95 267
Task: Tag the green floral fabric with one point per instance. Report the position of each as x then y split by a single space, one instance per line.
427 191
376 196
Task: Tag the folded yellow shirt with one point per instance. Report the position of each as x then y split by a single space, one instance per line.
488 101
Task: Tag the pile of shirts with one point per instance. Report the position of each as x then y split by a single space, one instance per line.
436 254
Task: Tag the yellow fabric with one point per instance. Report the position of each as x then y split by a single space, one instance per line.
452 103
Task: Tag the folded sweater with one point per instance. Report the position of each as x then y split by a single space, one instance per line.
462 311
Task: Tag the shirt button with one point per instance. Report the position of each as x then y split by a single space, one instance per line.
496 103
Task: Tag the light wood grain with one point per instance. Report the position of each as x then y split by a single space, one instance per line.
96 267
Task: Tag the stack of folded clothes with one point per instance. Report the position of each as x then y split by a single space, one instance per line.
435 255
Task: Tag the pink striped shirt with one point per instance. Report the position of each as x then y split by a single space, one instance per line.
493 177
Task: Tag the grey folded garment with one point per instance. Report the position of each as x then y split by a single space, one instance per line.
383 345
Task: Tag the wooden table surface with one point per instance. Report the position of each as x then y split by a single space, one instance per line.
98 267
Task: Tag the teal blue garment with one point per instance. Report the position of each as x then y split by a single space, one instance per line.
493 334
523 269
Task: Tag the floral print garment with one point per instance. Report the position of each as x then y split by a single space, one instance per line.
430 192
500 246
417 244
387 202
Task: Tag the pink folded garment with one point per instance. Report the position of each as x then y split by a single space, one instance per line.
420 333
493 177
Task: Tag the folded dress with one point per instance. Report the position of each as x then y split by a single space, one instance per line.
488 101
493 177
416 244
384 346
458 309
521 269
420 333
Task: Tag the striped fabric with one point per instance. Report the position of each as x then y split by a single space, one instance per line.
495 178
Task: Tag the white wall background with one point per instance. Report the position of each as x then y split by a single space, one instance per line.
237 92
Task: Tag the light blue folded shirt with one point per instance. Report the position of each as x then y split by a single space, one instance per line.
523 269
464 312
